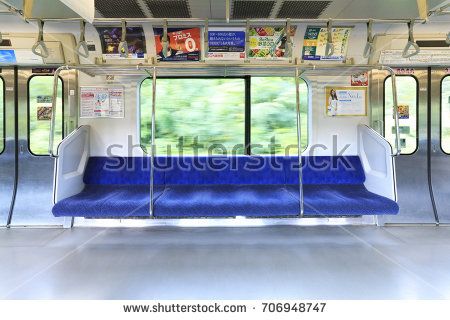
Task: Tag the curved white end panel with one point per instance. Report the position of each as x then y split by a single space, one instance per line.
376 157
73 154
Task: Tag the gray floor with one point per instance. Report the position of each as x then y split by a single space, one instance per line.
283 262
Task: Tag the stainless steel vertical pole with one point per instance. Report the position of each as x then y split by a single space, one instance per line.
152 144
299 140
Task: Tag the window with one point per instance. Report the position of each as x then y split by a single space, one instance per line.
445 114
40 92
203 116
407 107
2 115
274 115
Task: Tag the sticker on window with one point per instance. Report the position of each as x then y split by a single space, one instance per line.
44 108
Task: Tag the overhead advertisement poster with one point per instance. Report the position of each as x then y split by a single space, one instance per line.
110 38
268 42
184 44
102 102
346 101
226 43
315 41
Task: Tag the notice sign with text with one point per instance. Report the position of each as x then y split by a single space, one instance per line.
226 43
102 102
346 101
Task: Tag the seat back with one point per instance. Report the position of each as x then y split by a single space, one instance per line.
219 170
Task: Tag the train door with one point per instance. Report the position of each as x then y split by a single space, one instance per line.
34 199
413 188
440 141
7 143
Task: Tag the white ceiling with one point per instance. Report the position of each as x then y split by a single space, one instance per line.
215 9
378 9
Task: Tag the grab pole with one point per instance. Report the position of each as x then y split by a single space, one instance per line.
299 139
152 146
51 137
396 115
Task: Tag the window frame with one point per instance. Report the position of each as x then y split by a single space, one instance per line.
29 114
308 113
417 110
247 138
440 114
3 110
246 97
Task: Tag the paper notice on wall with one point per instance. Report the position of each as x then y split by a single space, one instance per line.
102 102
116 100
360 79
346 101
315 41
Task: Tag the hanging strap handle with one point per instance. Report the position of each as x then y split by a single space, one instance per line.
411 42
123 45
205 39
82 47
369 49
289 42
247 39
329 48
165 42
39 48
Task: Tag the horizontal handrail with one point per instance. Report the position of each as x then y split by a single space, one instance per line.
224 21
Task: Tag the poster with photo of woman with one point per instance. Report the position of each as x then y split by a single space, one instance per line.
346 101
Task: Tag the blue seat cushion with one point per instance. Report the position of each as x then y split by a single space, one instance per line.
219 186
118 201
343 200
180 201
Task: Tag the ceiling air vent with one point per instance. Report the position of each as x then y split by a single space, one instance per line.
119 9
302 9
169 8
252 9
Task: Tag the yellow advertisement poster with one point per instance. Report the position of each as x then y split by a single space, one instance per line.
346 101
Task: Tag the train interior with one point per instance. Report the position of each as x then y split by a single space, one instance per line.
155 149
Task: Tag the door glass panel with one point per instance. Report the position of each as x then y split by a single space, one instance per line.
274 115
2 115
40 92
206 115
407 107
445 114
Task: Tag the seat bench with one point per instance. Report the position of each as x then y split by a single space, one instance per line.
219 186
